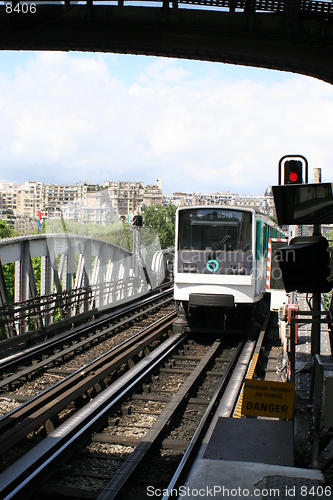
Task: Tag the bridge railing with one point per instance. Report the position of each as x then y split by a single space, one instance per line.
74 275
40 311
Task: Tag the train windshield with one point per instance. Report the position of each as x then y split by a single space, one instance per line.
215 229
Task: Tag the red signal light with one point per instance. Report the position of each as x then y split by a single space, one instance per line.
293 177
293 172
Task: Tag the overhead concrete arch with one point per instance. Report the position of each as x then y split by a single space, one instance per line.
286 35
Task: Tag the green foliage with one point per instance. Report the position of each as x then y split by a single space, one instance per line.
63 225
128 243
116 233
9 275
163 220
157 220
330 238
327 300
36 266
6 231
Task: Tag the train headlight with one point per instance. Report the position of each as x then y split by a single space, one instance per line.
189 267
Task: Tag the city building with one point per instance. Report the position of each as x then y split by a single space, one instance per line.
25 225
84 203
29 199
102 204
54 193
264 203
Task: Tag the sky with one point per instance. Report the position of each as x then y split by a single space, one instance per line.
200 127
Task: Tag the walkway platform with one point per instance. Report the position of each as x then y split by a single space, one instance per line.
221 479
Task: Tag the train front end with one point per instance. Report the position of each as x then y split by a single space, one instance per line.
214 262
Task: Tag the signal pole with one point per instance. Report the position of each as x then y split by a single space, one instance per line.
316 301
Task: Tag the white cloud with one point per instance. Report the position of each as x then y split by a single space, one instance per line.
66 118
164 70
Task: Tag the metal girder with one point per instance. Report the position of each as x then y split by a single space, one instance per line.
76 290
54 278
46 284
290 35
25 286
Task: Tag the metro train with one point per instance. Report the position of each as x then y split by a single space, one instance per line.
220 265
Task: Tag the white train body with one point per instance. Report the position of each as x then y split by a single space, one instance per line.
221 256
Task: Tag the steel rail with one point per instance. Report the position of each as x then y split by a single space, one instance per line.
231 400
232 393
44 349
227 403
23 478
195 441
123 474
253 363
20 422
30 341
21 311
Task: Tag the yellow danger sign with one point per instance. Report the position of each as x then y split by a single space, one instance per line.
268 399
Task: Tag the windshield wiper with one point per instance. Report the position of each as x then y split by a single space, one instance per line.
220 243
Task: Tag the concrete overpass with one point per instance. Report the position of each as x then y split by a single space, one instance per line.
287 35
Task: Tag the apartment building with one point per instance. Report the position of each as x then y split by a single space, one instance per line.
128 197
85 203
22 199
63 194
29 199
264 203
25 225
8 197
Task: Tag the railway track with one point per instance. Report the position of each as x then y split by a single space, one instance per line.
96 375
150 419
69 351
173 393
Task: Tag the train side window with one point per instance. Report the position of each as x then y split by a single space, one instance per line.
258 240
265 238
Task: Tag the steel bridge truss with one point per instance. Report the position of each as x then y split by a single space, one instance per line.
73 275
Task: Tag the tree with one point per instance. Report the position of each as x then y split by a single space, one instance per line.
6 231
163 220
274 219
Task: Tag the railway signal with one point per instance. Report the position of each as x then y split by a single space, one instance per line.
137 221
291 166
305 265
293 170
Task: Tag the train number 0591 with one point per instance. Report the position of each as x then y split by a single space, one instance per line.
25 8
